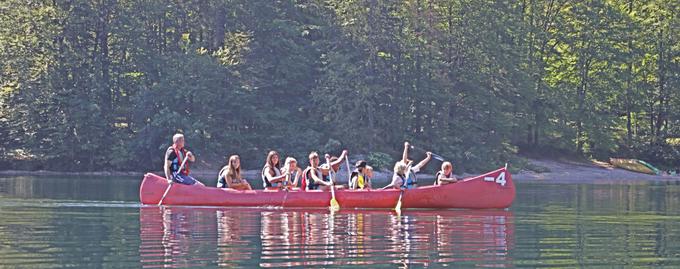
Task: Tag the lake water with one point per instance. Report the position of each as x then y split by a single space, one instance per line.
94 222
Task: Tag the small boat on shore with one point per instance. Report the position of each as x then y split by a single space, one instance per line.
494 189
635 166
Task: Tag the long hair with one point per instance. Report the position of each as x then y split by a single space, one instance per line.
232 172
286 165
270 156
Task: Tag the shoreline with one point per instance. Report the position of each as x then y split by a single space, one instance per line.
555 172
584 172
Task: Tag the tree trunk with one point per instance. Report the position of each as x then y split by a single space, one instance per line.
629 90
219 28
581 98
661 74
107 98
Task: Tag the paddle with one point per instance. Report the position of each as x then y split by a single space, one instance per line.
398 206
170 184
349 173
435 156
334 205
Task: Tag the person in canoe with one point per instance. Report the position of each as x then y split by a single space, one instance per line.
271 173
405 174
175 156
445 175
230 175
336 161
359 178
292 171
369 176
312 177
328 173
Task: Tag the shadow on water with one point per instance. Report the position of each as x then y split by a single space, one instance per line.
185 236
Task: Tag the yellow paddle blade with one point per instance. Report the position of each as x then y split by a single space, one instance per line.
334 205
398 207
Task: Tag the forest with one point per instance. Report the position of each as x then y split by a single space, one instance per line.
102 85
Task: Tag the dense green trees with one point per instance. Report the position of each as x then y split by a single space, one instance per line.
90 85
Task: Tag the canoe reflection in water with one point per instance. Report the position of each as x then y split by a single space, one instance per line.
241 237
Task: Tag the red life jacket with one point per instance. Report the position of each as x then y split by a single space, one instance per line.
303 182
183 151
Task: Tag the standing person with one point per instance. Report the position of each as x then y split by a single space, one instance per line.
230 175
174 157
445 175
271 173
292 171
405 177
358 177
312 176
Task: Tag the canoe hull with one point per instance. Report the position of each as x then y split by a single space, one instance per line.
635 166
491 190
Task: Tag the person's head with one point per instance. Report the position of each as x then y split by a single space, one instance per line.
273 159
369 171
235 161
234 167
447 167
360 165
400 168
178 140
314 159
290 164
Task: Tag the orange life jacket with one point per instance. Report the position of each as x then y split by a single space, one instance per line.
183 151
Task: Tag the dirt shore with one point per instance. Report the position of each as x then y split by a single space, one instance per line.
581 172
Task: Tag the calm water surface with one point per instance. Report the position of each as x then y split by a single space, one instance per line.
94 222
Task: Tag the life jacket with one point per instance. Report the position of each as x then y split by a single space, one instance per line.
308 183
291 177
222 180
411 180
436 177
265 181
403 182
361 181
178 161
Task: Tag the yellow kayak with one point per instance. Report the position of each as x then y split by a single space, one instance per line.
634 165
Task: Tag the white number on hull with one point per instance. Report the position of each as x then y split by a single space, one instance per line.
500 179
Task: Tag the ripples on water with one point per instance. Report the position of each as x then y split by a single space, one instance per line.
550 225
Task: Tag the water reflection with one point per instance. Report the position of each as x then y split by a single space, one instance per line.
237 237
81 223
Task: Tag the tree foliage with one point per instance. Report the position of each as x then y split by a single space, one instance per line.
91 85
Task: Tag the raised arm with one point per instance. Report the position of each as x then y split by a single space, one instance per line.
424 162
340 159
404 156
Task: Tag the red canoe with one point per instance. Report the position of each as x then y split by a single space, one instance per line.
491 190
